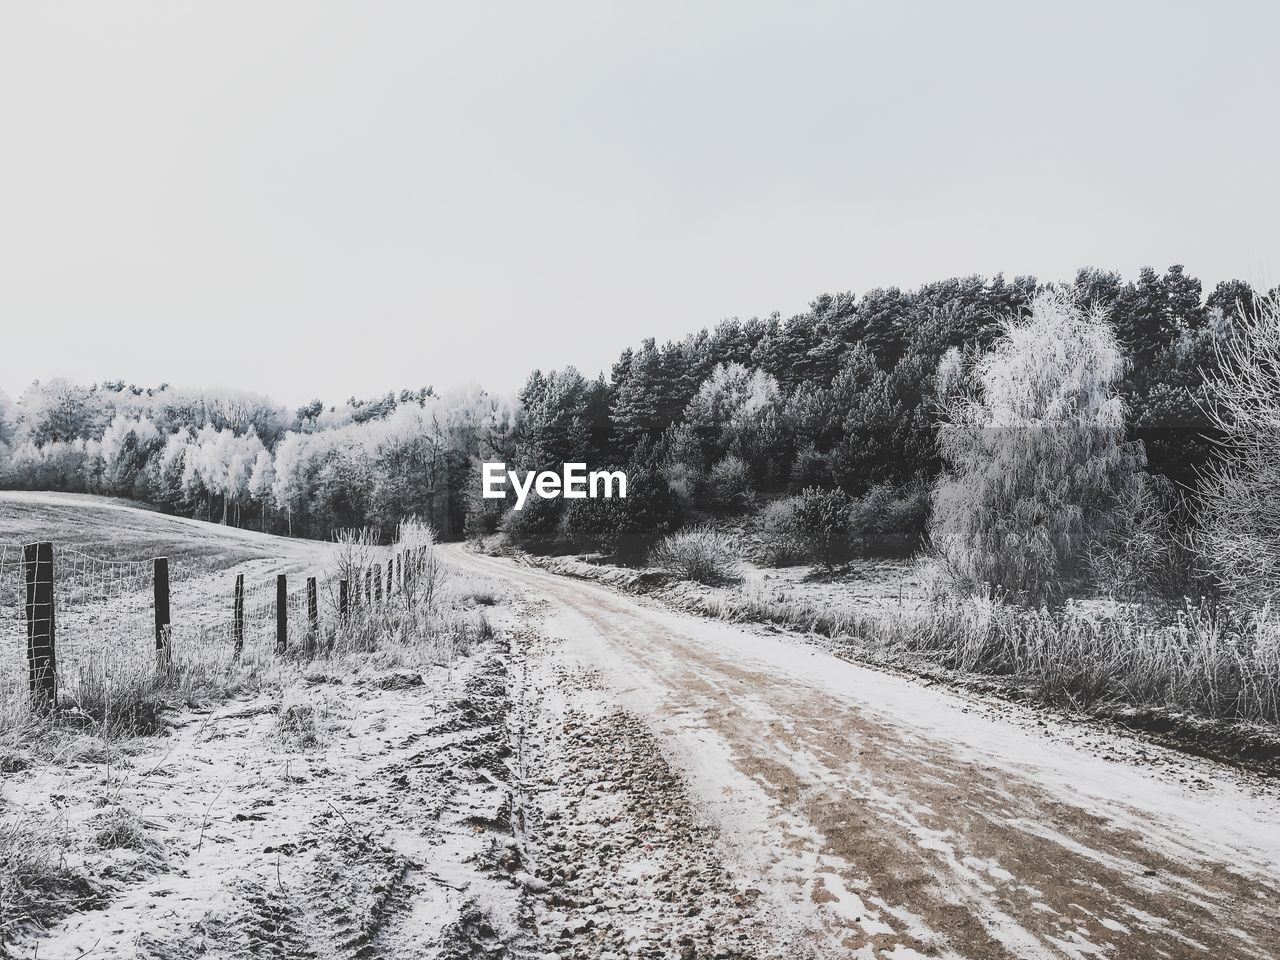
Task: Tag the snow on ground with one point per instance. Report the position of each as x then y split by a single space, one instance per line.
376 830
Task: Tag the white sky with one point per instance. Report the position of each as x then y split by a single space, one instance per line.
320 199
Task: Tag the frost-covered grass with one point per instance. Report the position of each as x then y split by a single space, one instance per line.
107 712
1209 662
301 719
37 885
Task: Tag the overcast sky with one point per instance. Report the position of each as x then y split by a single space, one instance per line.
318 199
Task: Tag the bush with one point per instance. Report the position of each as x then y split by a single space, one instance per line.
811 469
684 479
729 486
782 544
536 526
625 527
1144 555
700 554
823 526
891 519
484 516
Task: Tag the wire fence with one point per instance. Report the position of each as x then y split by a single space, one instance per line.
66 616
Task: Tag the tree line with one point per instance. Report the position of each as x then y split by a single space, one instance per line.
849 397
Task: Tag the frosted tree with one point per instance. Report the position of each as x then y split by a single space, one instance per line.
124 449
8 420
1242 493
730 404
219 464
1038 464
289 486
59 410
261 479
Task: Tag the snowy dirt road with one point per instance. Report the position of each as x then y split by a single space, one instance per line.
710 790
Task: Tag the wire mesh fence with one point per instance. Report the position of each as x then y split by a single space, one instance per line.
67 619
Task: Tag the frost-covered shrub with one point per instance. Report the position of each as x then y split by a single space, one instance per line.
810 469
700 554
782 543
536 526
484 515
684 479
889 518
729 485
624 526
823 526
1144 554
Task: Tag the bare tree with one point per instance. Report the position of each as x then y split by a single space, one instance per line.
1241 528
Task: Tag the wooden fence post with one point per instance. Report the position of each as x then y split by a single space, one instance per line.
368 587
41 656
377 583
237 614
160 582
407 584
313 611
391 569
344 600
282 613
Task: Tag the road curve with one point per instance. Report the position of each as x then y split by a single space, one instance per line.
890 819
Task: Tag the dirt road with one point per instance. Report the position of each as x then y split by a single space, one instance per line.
843 811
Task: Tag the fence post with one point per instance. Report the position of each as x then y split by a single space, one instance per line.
237 614
391 569
160 580
282 613
41 657
407 583
343 600
377 583
313 611
368 587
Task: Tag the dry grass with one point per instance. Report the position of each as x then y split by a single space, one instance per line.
37 887
121 829
302 719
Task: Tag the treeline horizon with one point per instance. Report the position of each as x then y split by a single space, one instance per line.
843 396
